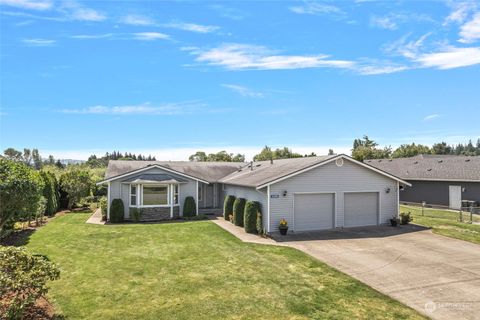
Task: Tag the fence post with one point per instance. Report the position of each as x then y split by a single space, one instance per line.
460 215
471 214
423 207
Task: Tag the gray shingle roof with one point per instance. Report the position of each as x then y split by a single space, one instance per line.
263 171
208 171
431 167
165 178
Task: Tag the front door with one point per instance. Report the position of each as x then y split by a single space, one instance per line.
455 197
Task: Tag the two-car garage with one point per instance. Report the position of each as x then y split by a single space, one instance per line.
318 211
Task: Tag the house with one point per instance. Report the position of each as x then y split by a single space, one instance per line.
311 193
436 179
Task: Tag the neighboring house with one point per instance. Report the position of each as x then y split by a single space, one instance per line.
436 179
311 193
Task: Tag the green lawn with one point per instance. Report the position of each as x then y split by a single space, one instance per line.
445 222
194 270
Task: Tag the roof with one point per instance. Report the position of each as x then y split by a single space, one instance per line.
205 171
432 167
262 173
154 178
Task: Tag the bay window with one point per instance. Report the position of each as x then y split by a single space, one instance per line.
153 195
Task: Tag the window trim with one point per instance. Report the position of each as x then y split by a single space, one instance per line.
139 195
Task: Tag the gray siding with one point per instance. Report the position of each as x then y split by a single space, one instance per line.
122 190
330 178
436 192
249 193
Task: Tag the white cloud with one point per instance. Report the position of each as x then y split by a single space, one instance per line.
39 42
76 11
193 27
150 36
93 36
381 68
470 31
451 57
460 11
318 8
407 49
137 20
244 56
431 117
243 91
386 22
140 109
29 4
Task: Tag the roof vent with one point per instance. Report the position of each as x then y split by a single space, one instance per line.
390 160
467 160
429 169
416 162
258 165
440 161
339 162
380 160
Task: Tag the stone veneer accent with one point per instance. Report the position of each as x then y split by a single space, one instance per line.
159 213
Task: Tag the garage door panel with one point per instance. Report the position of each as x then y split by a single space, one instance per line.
314 211
361 209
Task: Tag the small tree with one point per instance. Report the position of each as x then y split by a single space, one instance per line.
117 211
77 183
250 216
238 210
228 207
189 207
20 189
23 280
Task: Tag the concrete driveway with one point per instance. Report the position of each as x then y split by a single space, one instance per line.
436 275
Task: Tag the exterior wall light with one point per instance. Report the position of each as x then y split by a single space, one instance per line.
387 190
285 193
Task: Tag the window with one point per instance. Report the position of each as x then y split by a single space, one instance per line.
133 195
200 189
155 195
175 194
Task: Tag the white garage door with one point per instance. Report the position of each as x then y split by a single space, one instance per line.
361 209
314 211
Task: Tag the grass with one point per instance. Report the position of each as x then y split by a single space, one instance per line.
195 270
445 222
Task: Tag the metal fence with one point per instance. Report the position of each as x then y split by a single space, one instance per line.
467 214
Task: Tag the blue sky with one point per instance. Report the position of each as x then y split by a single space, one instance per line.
169 78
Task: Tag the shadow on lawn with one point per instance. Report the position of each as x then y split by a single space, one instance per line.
350 233
18 238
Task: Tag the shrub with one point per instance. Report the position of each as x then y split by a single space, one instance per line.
23 280
250 216
117 211
104 207
189 207
50 192
136 214
259 223
228 207
20 191
405 218
238 210
77 183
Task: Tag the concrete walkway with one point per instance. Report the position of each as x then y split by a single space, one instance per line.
96 218
435 275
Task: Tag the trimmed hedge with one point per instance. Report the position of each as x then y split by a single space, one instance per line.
117 211
238 210
189 207
103 207
228 207
50 192
250 216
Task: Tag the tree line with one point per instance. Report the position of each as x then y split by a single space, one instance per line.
365 148
96 162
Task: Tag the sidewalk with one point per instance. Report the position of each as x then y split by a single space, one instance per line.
96 218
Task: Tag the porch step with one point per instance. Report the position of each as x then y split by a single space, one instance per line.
211 211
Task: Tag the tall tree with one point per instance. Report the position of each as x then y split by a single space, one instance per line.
77 183
410 150
199 156
365 148
37 159
13 154
27 156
